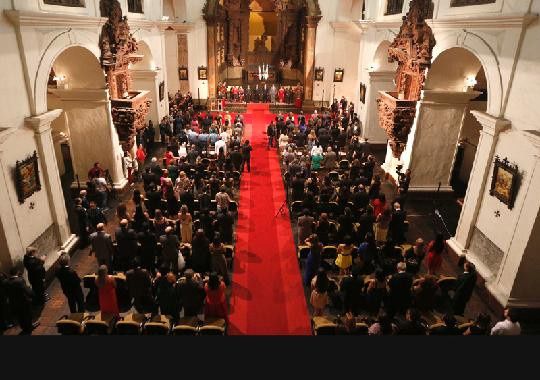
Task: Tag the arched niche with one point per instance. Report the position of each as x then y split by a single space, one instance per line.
79 69
380 59
452 69
147 63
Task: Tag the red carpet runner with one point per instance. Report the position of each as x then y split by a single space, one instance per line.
267 293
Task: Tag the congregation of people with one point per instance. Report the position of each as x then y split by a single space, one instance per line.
172 250
352 232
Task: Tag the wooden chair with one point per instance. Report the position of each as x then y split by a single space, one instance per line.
158 325
213 326
323 326
187 326
334 176
233 207
131 324
99 324
72 324
329 252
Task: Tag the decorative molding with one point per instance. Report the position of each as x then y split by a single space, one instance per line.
185 27
44 19
42 123
346 27
490 124
512 20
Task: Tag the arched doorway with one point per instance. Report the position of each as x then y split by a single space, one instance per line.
459 70
381 78
84 133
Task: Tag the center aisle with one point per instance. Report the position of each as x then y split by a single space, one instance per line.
267 293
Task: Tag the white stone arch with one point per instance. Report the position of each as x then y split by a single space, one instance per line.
380 57
487 57
57 45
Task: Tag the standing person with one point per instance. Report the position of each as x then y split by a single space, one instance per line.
70 282
271 133
191 294
200 253
246 156
344 260
219 261
314 258
141 159
95 216
400 286
397 224
82 221
102 246
20 298
319 293
435 250
127 246
35 266
465 285
139 284
169 250
150 136
215 303
185 222
108 303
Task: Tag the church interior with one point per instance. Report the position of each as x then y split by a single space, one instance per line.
270 167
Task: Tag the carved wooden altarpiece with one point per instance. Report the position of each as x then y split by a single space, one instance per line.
412 49
118 51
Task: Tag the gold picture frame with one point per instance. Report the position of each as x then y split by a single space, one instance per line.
505 182
338 75
183 73
27 181
203 73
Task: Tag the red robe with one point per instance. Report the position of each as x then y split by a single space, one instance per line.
281 95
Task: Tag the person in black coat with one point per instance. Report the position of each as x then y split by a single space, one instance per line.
200 253
5 322
397 227
35 266
448 328
70 283
413 324
225 223
127 246
464 288
246 156
20 298
147 248
139 284
400 285
167 294
82 221
192 294
351 288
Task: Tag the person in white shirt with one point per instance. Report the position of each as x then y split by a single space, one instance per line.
182 152
510 325
317 149
221 144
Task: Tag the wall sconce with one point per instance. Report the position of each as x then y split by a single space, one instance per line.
61 82
470 81
372 67
165 18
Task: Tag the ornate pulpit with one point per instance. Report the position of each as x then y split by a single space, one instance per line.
118 51
412 49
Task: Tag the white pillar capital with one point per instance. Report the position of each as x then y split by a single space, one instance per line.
491 125
42 123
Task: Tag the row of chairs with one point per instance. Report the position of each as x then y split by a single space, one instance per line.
330 325
137 324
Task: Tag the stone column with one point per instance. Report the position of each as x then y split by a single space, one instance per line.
42 128
211 46
309 56
478 181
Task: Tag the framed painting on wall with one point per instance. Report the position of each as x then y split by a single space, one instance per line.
505 182
27 179
203 73
161 91
363 90
319 74
338 75
183 73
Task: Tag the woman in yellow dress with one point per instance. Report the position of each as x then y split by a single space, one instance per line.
186 225
344 260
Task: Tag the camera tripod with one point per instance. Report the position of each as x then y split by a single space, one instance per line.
282 209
